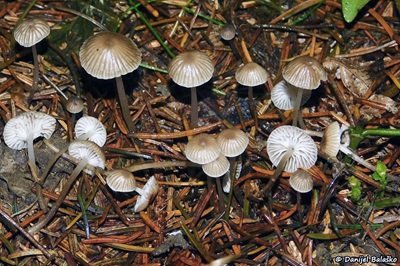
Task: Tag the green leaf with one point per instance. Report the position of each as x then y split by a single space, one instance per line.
350 8
355 185
380 174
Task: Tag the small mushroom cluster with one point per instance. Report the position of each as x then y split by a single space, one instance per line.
211 153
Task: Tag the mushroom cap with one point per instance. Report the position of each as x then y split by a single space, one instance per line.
87 150
31 31
284 96
17 130
92 128
108 55
228 32
304 72
74 105
286 138
121 180
301 181
150 190
202 149
330 143
251 74
232 142
191 69
217 168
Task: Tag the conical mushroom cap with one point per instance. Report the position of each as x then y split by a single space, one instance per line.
87 150
284 96
286 138
93 127
121 180
18 129
108 55
217 168
301 181
31 31
191 69
202 149
232 142
251 74
330 143
305 73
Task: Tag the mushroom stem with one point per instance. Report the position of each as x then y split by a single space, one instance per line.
253 106
356 158
296 108
35 68
194 114
123 102
279 169
144 166
63 195
31 154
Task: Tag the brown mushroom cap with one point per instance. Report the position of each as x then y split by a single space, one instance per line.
31 31
232 142
304 72
251 74
228 32
330 143
108 55
202 149
191 69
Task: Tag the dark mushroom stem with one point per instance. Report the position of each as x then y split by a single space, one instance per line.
71 180
253 106
194 114
123 102
296 109
279 169
35 68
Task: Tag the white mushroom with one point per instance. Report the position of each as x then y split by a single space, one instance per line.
301 181
217 168
121 180
284 96
147 193
90 128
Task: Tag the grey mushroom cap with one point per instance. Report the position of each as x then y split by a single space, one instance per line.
121 180
301 181
148 192
191 69
202 149
217 168
17 130
89 151
108 55
232 142
251 74
228 32
330 143
31 31
304 72
90 128
284 96
286 138
74 105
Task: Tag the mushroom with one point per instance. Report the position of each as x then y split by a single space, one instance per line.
289 148
251 75
122 180
190 70
301 181
304 73
74 105
216 168
284 96
90 128
20 131
228 32
202 149
28 34
108 55
87 153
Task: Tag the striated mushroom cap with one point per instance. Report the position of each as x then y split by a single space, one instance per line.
108 55
217 168
202 149
304 72
284 96
232 142
330 143
301 181
286 138
87 150
90 128
74 105
191 69
121 180
18 129
251 74
31 31
150 190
